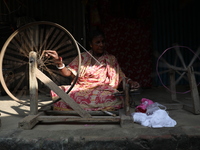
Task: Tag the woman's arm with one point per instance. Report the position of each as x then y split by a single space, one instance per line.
58 62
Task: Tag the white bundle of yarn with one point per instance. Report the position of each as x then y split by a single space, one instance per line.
158 119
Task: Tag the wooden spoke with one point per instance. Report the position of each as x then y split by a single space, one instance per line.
180 56
165 71
182 75
194 57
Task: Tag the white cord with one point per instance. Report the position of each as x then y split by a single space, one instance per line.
88 52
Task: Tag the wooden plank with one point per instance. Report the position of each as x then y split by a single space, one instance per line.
29 121
33 85
93 113
127 99
108 119
47 81
194 91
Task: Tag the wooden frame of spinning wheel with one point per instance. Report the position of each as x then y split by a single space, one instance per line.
25 44
31 120
195 103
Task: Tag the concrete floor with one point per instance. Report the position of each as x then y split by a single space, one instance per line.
184 136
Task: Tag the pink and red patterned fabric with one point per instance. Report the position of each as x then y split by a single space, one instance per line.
96 84
129 39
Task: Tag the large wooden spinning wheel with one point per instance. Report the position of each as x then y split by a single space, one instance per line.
37 37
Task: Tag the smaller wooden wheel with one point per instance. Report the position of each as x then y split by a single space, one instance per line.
14 59
175 62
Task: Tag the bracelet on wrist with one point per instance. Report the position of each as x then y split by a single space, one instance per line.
63 66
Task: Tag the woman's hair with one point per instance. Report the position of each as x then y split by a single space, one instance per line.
94 33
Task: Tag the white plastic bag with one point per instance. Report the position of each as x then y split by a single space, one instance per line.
153 107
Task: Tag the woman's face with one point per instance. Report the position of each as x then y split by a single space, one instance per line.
98 45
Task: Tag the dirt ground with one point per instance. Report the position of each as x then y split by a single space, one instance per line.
102 136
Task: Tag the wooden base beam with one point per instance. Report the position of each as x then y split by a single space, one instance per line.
29 121
125 121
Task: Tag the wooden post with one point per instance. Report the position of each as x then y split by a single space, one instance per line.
194 93
125 120
127 99
172 85
33 85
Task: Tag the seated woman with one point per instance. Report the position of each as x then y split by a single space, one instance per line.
99 78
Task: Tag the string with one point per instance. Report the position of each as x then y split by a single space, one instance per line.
88 52
159 74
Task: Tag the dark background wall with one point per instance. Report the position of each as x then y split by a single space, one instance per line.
135 29
176 22
127 25
68 13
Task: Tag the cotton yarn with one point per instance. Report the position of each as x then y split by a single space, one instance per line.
158 119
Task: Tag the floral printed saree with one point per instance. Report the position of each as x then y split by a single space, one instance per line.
96 84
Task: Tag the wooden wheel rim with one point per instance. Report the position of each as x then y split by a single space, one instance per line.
63 34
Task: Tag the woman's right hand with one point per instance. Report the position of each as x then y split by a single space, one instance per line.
58 61
51 53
